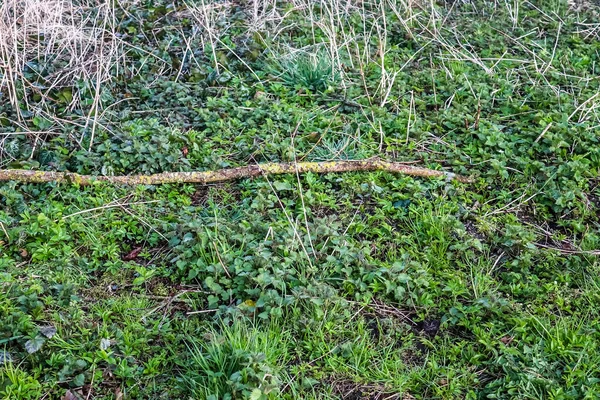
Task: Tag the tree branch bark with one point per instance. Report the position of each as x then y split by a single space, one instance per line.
229 174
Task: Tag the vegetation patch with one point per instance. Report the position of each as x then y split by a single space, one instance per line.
360 284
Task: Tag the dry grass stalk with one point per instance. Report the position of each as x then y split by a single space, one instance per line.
48 45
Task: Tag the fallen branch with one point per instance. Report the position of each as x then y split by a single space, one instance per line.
228 174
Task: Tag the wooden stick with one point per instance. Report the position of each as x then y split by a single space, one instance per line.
229 174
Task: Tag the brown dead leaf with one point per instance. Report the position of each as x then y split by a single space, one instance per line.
118 394
69 396
107 374
23 253
507 340
132 255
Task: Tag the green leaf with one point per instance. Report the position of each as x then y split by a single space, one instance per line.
138 281
41 123
79 380
256 394
282 186
404 278
65 96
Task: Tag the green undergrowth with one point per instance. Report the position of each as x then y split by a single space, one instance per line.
340 286
379 283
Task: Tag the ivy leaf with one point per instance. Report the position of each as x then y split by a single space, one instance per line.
35 344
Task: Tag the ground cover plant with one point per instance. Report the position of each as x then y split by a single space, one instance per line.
362 285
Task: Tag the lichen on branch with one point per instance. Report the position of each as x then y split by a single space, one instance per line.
230 174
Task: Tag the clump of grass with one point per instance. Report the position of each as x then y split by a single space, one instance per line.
15 383
314 72
239 360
